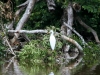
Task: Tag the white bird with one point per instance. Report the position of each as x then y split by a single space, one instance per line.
51 73
52 40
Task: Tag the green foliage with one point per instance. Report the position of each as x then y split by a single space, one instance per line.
91 55
39 51
40 69
42 17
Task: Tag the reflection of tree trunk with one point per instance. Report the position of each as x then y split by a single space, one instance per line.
11 67
17 71
67 70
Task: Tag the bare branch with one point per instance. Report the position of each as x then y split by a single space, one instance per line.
76 63
88 28
28 31
24 18
75 33
24 4
9 64
73 42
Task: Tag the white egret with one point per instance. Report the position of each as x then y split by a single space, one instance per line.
51 73
52 40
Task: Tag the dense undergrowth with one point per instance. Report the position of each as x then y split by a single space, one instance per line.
39 51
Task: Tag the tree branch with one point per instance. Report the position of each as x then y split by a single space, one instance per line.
88 28
73 42
75 33
28 31
23 4
24 18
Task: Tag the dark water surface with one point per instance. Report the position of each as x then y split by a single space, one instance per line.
77 67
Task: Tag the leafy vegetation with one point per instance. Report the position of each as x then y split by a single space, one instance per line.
39 51
92 55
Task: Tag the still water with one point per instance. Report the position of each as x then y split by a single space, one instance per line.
12 66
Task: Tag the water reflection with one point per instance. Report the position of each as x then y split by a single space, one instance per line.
66 70
12 67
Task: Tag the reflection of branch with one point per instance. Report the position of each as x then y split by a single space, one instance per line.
78 60
88 28
67 56
17 70
11 60
67 70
